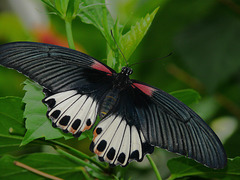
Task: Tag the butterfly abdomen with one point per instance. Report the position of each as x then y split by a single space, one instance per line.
108 102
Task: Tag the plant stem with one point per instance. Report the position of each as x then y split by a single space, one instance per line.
74 158
78 153
31 169
154 167
68 26
85 174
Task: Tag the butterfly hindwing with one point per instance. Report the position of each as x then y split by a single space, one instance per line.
72 112
118 138
117 142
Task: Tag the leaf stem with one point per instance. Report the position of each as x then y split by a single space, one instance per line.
68 26
154 167
78 153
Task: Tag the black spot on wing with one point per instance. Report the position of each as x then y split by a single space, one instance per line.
77 134
88 122
102 145
51 103
55 114
98 130
135 155
76 124
64 120
121 158
111 153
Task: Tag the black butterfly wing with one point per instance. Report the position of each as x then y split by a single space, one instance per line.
170 124
74 82
152 117
55 68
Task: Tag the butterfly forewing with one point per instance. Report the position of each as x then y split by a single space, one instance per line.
168 123
55 68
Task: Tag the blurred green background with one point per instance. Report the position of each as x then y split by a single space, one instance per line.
204 37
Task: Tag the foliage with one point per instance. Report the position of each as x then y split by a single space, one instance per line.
182 167
11 124
187 96
23 123
56 165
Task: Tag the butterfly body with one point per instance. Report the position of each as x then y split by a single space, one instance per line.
108 102
120 82
134 116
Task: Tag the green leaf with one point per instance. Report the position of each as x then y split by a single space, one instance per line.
102 176
62 5
92 12
132 38
96 13
37 124
72 9
129 41
11 115
65 9
187 96
50 4
9 143
113 53
11 122
49 163
183 167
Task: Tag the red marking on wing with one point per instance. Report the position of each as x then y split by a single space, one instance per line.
97 152
133 86
86 128
72 130
94 135
145 89
100 67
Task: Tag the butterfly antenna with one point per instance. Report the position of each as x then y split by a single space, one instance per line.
119 48
152 60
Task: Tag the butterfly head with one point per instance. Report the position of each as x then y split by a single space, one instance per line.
126 71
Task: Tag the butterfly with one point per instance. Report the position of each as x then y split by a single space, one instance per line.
134 117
